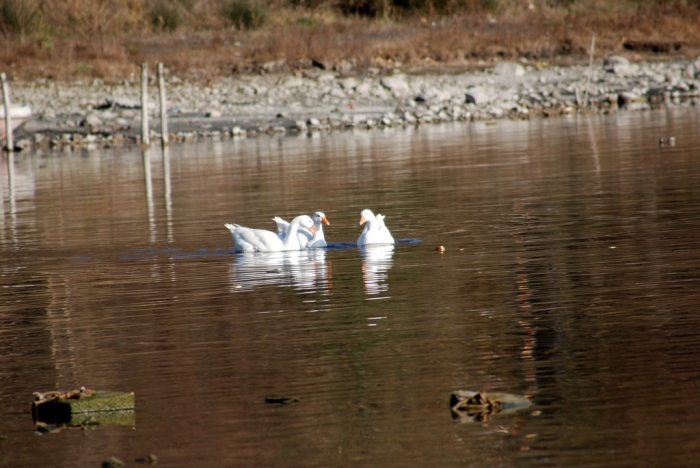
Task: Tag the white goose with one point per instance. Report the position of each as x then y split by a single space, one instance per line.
307 239
375 231
260 240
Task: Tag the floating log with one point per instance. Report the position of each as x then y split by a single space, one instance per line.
467 405
84 407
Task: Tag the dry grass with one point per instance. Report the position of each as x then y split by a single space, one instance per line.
98 38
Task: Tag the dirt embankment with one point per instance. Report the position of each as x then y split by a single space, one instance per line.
293 39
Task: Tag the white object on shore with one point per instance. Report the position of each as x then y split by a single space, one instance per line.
375 231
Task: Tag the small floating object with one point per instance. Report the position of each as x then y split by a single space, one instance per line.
113 462
440 248
671 141
282 400
149 459
83 407
470 406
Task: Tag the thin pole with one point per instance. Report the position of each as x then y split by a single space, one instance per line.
145 133
163 106
9 144
590 72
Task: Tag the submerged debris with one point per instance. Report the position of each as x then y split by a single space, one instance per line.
468 406
113 462
149 459
83 407
281 400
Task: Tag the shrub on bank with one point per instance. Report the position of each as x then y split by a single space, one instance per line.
19 16
245 14
76 18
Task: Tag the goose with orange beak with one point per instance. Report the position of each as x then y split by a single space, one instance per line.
261 240
307 239
375 231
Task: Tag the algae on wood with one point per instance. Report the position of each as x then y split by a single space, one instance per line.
84 407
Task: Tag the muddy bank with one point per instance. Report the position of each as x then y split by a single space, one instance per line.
97 114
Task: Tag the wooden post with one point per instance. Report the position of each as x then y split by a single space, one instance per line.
145 132
590 72
163 106
9 143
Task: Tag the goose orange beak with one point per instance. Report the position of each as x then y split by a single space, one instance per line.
325 221
362 220
312 229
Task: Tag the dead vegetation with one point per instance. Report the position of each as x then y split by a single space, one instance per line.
207 39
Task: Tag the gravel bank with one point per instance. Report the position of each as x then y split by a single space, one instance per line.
95 114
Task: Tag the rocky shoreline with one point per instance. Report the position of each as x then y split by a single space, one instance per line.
98 114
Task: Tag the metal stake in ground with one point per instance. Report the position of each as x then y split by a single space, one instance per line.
9 144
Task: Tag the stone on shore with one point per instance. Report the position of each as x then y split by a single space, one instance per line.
397 84
509 70
317 100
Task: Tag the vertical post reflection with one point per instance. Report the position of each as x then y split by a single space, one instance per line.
11 196
11 182
594 144
167 194
149 194
2 212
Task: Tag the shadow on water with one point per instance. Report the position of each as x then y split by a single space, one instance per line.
568 276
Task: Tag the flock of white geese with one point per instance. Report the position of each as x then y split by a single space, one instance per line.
305 232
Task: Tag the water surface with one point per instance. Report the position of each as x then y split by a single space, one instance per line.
570 275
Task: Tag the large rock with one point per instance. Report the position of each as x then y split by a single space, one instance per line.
481 95
432 94
291 82
349 83
509 70
92 120
617 64
397 84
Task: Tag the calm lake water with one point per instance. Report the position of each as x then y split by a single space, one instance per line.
571 275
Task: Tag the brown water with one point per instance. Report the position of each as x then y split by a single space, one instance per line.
571 275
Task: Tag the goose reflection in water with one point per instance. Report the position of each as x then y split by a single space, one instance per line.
376 261
305 270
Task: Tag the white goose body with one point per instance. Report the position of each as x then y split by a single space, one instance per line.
261 240
307 238
375 231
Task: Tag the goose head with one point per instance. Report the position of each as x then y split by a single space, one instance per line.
365 216
305 221
319 218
